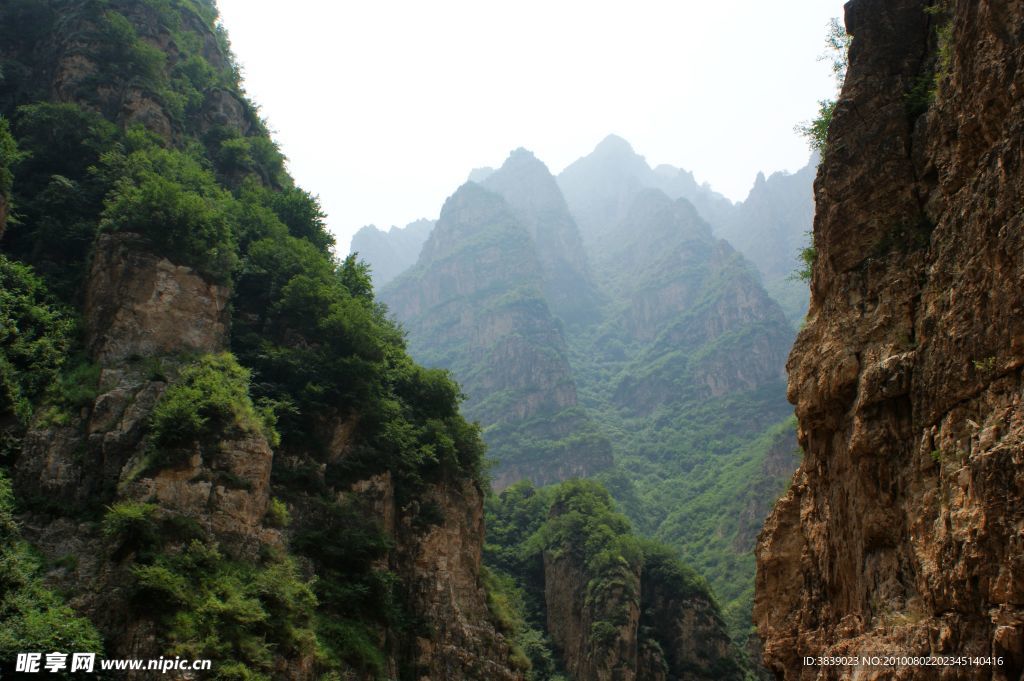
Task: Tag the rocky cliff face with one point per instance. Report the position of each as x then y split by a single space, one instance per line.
901 532
141 305
598 640
100 458
439 567
442 568
646 621
74 466
68 63
684 626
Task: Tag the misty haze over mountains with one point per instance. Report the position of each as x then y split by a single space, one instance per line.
621 322
769 227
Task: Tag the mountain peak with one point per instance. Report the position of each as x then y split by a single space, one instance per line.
521 153
522 160
478 175
613 145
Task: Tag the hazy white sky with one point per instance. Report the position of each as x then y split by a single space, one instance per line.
384 106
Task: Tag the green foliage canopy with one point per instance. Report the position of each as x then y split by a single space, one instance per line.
210 400
33 617
35 335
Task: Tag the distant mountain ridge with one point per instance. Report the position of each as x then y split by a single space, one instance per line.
532 193
601 326
391 253
769 227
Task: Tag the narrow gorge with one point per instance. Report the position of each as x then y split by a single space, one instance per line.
546 431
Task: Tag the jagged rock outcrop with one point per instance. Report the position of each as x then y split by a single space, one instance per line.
474 304
142 314
79 54
442 569
645 628
901 533
392 252
598 640
75 465
439 566
529 188
638 619
684 625
101 456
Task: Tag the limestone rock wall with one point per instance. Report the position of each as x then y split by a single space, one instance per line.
902 531
144 314
442 570
644 623
139 305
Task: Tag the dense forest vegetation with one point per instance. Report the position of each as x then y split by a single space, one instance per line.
150 136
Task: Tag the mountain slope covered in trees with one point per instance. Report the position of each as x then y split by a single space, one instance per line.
214 442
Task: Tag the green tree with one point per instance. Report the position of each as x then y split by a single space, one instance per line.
837 53
8 157
57 196
170 199
209 400
35 335
33 617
